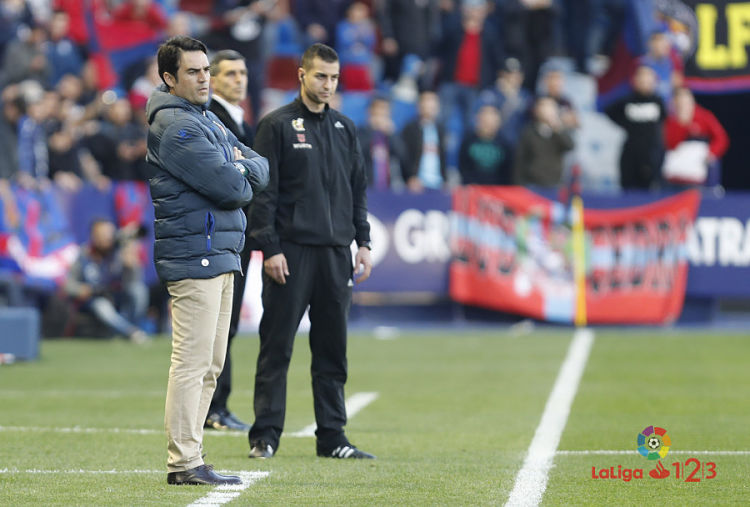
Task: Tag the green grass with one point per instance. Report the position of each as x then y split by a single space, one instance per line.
455 414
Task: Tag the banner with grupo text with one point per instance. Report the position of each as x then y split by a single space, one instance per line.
512 252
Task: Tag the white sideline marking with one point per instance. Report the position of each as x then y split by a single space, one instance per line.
127 431
224 494
87 393
78 471
531 480
606 452
354 404
218 496
78 429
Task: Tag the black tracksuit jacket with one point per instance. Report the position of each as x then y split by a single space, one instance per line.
316 193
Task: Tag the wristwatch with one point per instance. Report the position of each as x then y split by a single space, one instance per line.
365 244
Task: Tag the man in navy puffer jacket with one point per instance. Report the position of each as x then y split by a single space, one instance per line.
203 178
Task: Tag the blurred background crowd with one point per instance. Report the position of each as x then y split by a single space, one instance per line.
445 93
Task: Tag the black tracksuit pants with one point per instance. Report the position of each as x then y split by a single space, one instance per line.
321 277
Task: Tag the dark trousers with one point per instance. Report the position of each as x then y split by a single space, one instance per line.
320 277
224 382
640 167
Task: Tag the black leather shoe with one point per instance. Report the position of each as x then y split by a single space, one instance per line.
225 420
203 474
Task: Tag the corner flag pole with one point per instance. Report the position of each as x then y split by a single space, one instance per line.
579 260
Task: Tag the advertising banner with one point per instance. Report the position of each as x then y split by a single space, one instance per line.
512 251
720 61
719 248
410 249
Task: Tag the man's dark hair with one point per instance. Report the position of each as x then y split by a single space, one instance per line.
318 50
168 57
224 54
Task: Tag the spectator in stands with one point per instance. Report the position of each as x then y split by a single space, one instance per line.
143 14
13 16
424 157
529 27
472 54
180 23
690 124
63 55
229 85
607 18
355 44
553 85
89 83
144 86
118 144
407 28
642 115
318 19
25 58
63 146
382 150
13 109
485 157
33 164
107 281
659 58
543 143
70 89
511 98
240 25
577 20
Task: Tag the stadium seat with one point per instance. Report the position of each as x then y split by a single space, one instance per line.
402 113
20 335
354 105
597 150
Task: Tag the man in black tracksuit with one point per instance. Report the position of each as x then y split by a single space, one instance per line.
642 115
304 222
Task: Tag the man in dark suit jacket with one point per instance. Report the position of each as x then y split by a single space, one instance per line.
424 158
229 85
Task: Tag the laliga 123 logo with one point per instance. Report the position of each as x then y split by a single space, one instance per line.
653 444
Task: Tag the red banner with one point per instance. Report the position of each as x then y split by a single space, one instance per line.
512 251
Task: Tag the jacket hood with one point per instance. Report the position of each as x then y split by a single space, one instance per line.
162 99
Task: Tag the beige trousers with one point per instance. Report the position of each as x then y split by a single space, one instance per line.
201 309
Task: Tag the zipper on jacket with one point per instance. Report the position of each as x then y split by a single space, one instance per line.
210 224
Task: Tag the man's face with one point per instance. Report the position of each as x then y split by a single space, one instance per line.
319 82
192 80
230 82
644 80
684 106
103 236
429 106
555 82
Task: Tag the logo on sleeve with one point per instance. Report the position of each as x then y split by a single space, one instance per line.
298 124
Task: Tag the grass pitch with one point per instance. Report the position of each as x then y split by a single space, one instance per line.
455 413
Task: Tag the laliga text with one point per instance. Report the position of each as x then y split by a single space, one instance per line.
690 470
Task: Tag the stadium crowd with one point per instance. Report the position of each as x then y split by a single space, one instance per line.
445 92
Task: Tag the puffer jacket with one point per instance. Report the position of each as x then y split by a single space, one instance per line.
198 189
